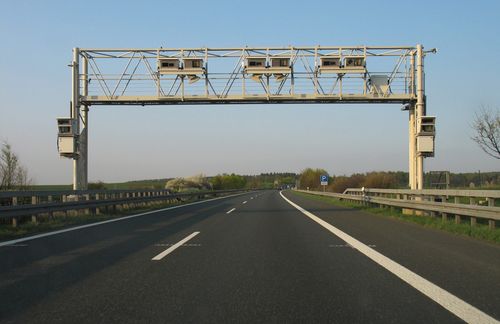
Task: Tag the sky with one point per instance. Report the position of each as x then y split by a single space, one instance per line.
131 143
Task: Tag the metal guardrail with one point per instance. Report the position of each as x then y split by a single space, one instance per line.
15 205
46 193
427 201
494 194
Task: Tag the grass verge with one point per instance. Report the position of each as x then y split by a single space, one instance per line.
479 231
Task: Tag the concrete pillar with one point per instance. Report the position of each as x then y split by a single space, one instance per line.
420 110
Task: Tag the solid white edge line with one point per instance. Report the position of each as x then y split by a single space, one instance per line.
452 303
173 247
29 238
230 211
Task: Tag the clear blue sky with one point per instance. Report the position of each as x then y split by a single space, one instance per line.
137 143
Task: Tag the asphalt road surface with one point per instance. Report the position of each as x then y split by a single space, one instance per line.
251 258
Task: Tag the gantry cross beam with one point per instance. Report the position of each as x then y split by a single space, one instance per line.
248 75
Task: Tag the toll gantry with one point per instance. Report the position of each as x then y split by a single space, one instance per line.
248 75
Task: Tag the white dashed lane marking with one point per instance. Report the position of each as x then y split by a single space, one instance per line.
174 247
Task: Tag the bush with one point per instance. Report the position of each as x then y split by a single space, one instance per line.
197 182
228 181
99 185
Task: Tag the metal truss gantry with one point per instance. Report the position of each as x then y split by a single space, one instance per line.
248 75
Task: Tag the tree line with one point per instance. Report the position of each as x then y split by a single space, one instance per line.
310 178
13 175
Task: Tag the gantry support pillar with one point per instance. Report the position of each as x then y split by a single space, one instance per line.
417 110
80 113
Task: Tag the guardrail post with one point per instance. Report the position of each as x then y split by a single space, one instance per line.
75 211
106 207
97 209
473 220
431 213
113 207
128 196
34 202
14 219
51 213
407 211
64 198
456 200
120 206
491 222
87 210
125 205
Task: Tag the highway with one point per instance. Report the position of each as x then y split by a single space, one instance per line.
251 258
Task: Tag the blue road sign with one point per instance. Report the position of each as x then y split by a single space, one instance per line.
324 179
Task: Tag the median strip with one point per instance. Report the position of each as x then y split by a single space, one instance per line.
174 247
